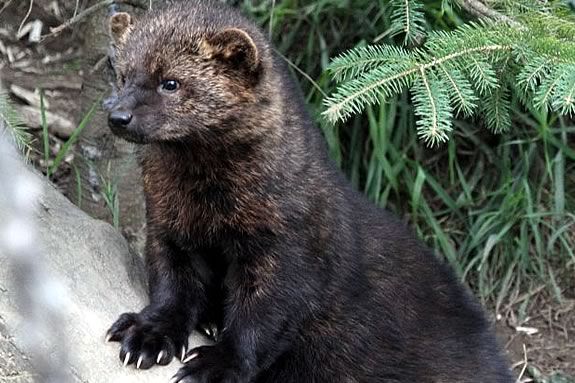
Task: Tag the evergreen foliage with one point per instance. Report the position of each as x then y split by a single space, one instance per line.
470 70
408 19
11 124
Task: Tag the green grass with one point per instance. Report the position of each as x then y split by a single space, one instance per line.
556 377
110 194
495 206
45 134
51 168
79 187
500 208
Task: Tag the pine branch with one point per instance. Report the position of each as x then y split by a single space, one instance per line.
361 59
532 73
408 18
563 100
433 108
482 74
497 110
348 99
473 65
461 93
546 91
368 89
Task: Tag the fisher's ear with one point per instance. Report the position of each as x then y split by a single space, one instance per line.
121 24
235 47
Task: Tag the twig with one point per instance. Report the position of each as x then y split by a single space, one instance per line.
76 8
478 9
80 16
5 6
99 64
88 11
26 17
525 362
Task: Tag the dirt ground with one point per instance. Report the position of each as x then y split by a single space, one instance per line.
540 342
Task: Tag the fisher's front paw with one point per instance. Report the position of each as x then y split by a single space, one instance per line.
145 342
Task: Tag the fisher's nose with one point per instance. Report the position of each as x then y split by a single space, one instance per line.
119 118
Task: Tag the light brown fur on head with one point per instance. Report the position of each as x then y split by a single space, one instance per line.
233 43
120 26
221 63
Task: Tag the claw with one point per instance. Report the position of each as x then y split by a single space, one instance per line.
175 379
183 352
192 356
160 355
126 359
139 363
108 337
207 331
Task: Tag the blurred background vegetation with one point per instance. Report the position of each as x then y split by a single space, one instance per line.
498 203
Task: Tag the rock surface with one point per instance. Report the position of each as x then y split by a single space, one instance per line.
101 279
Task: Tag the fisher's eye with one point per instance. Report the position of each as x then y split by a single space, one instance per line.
169 86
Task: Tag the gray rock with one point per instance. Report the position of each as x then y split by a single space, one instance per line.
101 279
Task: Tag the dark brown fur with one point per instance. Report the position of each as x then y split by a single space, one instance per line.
252 228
